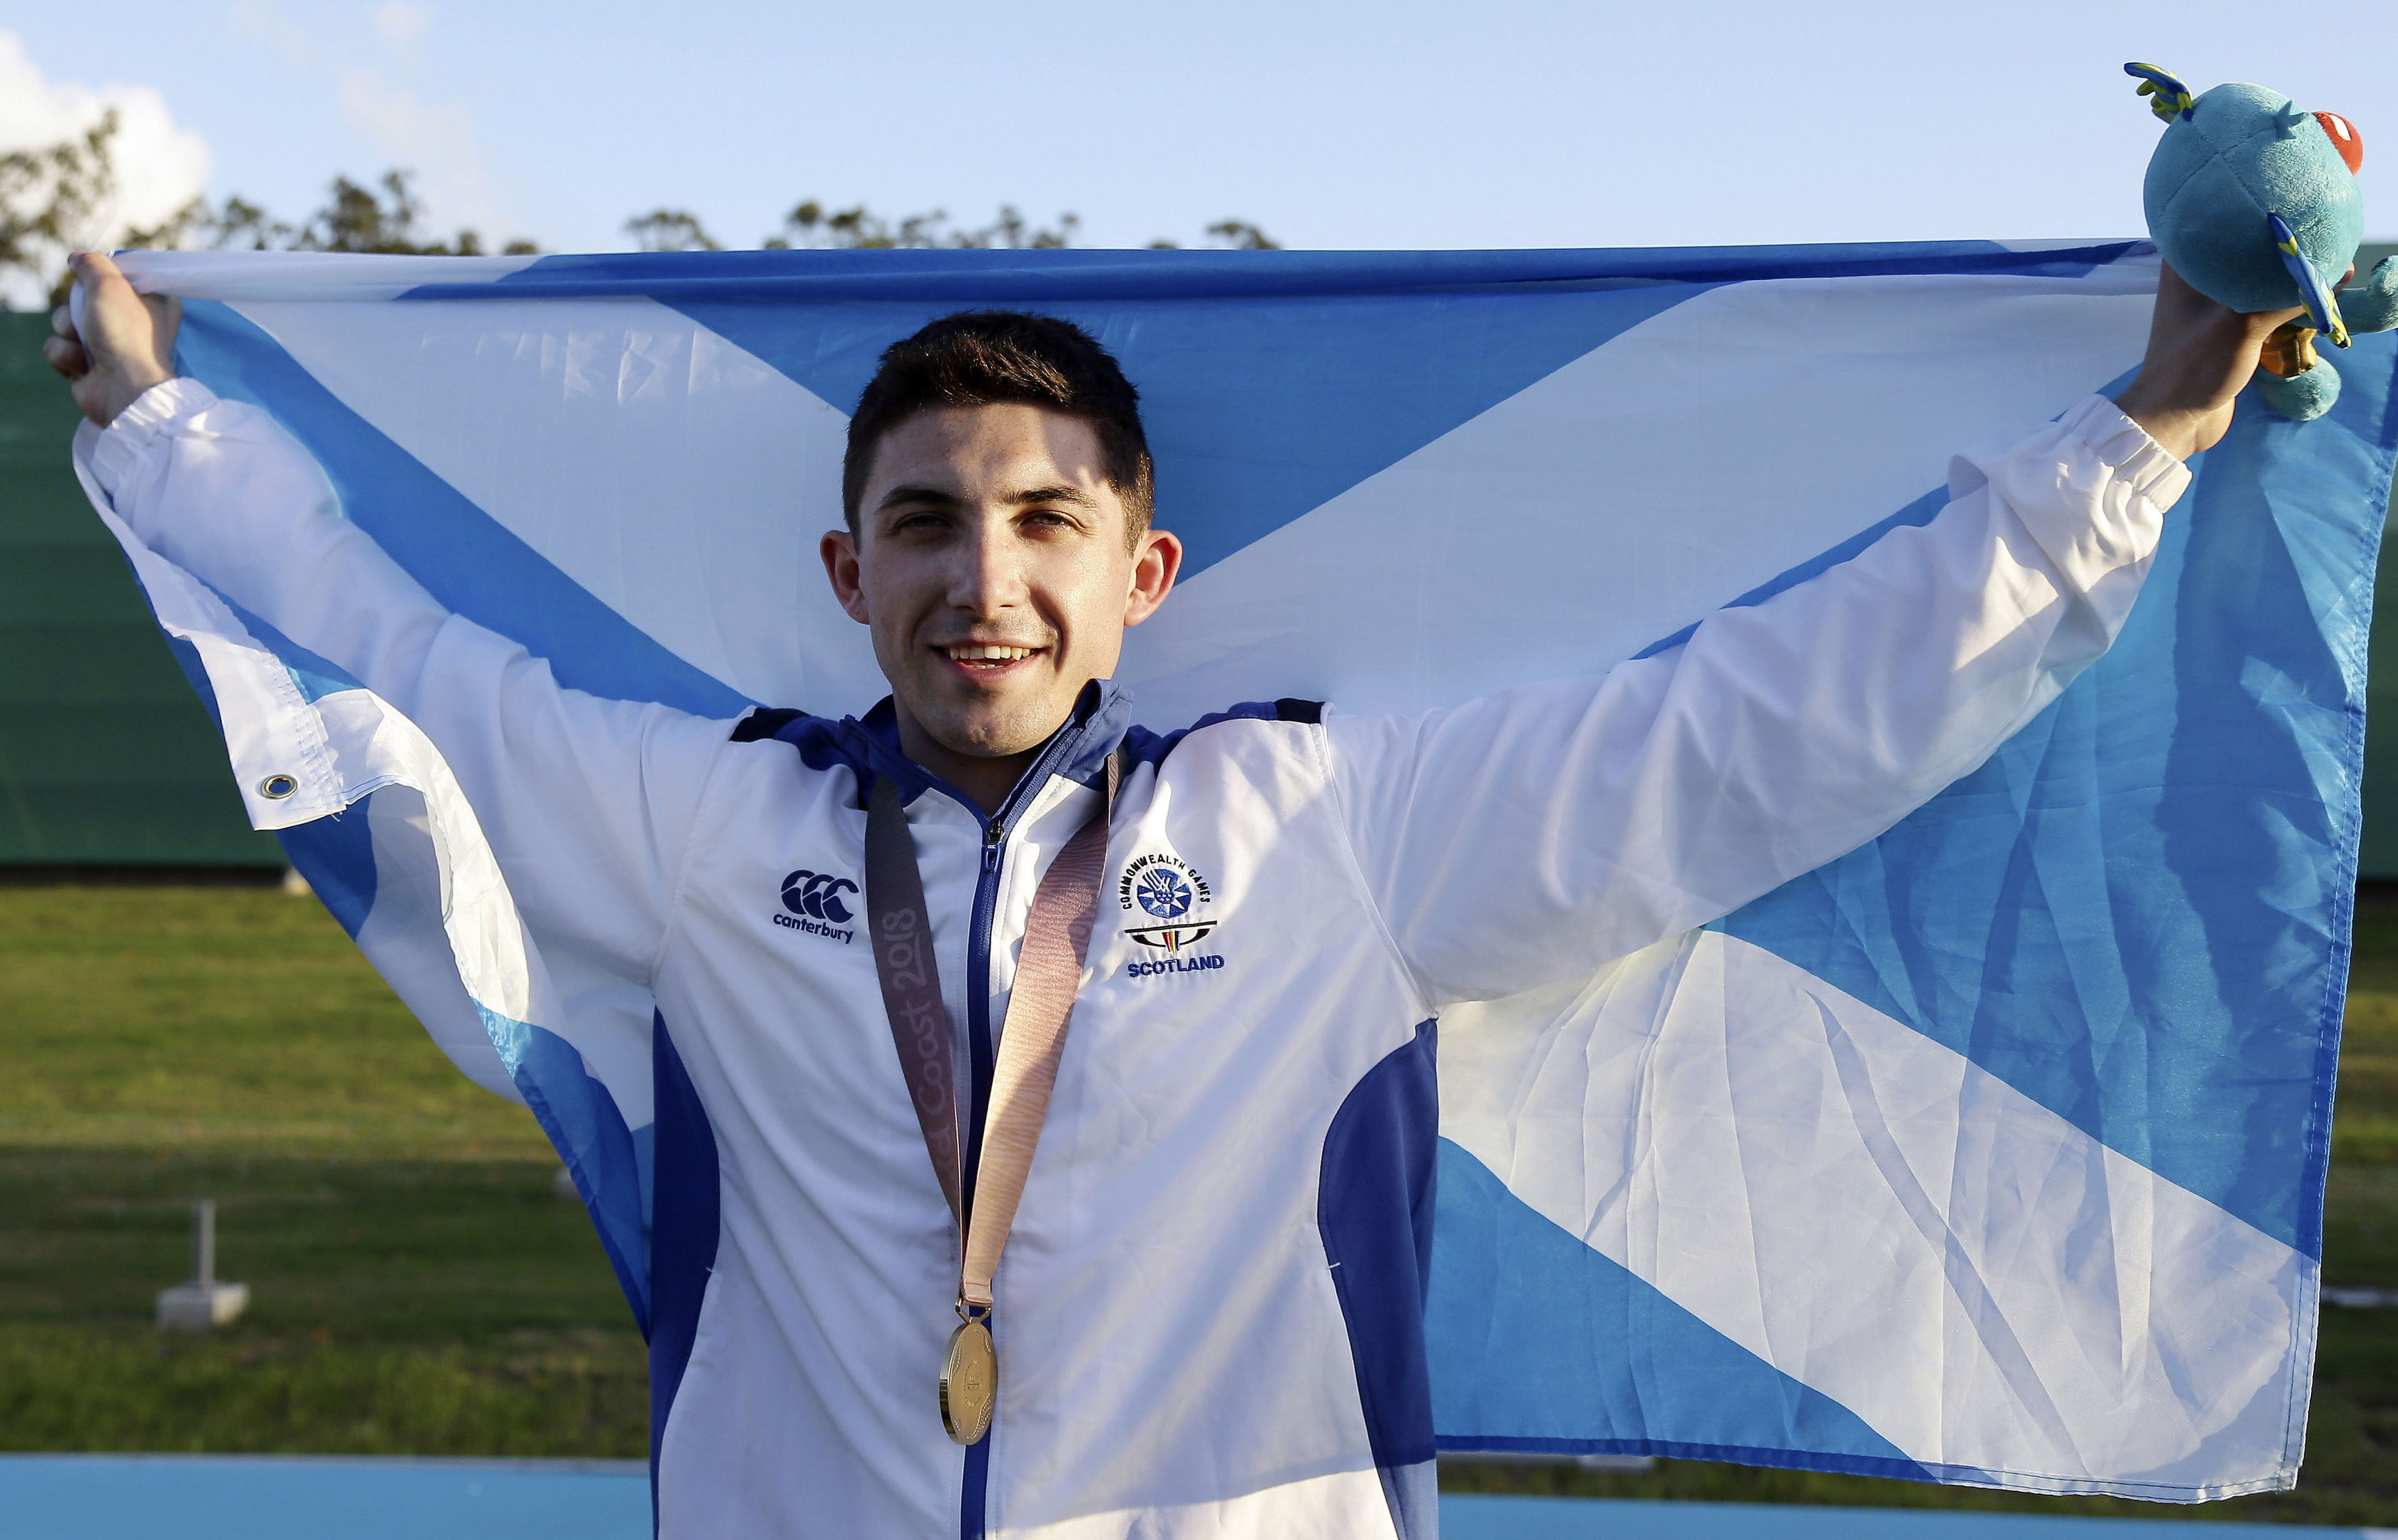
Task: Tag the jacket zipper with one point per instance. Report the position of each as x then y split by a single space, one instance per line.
979 1055
973 1503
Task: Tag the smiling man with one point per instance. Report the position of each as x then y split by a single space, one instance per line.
1012 541
924 1264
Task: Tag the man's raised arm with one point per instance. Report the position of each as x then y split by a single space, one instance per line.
585 802
1537 833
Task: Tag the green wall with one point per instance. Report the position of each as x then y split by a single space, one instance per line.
107 757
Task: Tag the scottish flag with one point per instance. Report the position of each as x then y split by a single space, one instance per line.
1992 1152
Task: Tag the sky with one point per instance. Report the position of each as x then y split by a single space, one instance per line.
1396 125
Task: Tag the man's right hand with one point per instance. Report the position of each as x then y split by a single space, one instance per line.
127 344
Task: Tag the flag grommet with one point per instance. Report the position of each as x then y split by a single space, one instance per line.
275 788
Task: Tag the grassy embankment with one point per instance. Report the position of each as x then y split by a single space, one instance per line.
418 1287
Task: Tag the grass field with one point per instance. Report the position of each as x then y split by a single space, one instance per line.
419 1288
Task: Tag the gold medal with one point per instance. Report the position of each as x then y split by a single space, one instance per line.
969 1382
1048 972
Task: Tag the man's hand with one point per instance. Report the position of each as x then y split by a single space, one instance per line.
128 343
2200 355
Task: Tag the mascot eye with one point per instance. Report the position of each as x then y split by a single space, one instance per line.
2344 140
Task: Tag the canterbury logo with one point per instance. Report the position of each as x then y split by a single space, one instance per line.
817 895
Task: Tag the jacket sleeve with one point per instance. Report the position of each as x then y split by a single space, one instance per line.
1536 833
586 803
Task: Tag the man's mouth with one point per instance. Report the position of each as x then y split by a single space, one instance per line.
988 657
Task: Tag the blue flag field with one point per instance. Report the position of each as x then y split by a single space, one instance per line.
1992 1152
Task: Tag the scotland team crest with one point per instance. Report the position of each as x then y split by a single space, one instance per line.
1167 900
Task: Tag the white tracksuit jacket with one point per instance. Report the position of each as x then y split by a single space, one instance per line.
1209 1315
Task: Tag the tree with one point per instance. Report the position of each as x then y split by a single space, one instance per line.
1241 235
1229 235
811 225
671 230
381 218
58 200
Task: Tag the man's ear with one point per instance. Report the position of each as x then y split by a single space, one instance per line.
839 548
1154 567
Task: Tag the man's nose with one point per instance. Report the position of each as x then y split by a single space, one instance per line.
989 576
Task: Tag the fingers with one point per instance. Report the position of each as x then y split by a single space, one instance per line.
166 320
66 356
96 267
63 321
123 345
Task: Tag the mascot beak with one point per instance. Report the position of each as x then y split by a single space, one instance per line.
2344 140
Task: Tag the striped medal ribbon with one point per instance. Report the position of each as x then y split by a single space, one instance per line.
1048 972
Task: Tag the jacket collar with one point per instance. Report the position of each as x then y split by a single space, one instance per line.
1078 750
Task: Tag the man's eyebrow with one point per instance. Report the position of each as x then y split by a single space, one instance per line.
1060 493
933 497
929 496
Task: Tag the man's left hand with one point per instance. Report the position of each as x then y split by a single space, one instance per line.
2200 354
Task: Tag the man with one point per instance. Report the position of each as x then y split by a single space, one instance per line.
1208 1309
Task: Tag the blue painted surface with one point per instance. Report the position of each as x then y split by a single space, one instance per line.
218 1497
201 1497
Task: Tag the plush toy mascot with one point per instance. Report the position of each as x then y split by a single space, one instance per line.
2255 202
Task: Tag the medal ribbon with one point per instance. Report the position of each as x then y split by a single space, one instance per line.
1048 973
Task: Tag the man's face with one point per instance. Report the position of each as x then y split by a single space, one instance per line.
991 563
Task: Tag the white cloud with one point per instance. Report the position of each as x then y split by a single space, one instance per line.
437 142
159 167
260 20
399 21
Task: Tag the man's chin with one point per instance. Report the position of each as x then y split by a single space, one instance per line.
998 734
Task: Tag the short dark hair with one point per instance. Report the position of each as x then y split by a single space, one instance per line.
990 358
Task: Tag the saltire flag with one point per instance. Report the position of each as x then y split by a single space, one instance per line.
1992 1153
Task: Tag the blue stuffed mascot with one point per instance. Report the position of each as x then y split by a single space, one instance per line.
2254 201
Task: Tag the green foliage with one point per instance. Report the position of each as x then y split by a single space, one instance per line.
48 197
671 230
812 226
1230 234
383 218
60 198
56 199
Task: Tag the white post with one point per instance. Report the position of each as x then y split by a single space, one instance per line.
203 1303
